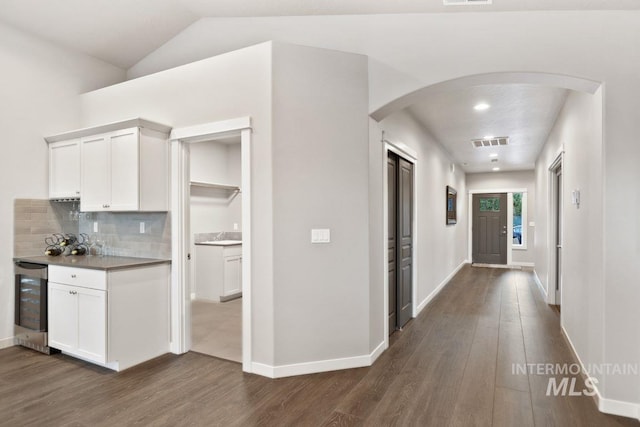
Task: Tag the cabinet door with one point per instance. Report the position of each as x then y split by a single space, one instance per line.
125 170
92 314
232 275
64 169
95 174
63 317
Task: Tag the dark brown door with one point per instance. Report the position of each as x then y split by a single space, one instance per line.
490 228
392 172
400 195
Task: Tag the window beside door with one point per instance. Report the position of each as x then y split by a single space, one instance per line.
519 231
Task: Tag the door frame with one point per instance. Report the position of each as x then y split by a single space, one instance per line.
180 295
552 274
409 154
509 192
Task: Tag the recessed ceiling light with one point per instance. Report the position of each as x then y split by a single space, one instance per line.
480 107
493 155
496 169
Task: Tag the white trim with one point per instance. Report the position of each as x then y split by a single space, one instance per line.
314 367
499 190
180 301
377 352
618 407
551 240
409 154
7 342
209 131
523 264
608 406
438 288
540 286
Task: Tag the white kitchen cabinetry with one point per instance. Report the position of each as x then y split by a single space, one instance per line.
125 170
122 166
77 323
64 169
218 272
115 318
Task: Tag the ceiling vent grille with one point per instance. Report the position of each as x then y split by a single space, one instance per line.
465 2
493 142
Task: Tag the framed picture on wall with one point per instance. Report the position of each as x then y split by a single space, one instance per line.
452 207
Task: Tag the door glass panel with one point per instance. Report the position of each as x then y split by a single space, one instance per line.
517 219
489 204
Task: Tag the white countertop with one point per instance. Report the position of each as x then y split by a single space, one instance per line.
221 242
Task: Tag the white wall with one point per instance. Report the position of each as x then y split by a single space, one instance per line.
320 180
39 93
407 53
511 180
236 84
214 210
578 131
441 248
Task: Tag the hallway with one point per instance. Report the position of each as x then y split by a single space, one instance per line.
450 366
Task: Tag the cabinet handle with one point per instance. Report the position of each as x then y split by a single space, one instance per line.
73 276
73 292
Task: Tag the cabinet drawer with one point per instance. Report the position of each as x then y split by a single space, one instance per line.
84 277
234 250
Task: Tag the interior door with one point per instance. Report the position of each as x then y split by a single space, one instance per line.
405 241
400 244
490 228
558 237
392 172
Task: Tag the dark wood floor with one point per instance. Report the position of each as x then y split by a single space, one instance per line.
452 366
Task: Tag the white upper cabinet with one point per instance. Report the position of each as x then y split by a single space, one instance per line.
123 167
64 169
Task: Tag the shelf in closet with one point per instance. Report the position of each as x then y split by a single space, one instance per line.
229 188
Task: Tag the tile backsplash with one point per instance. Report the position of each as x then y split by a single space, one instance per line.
34 220
119 232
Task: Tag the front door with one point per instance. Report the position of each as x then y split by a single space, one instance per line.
400 197
490 228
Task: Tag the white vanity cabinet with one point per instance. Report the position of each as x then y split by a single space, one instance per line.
218 271
122 167
64 169
115 318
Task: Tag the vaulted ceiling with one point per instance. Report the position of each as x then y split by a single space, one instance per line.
123 32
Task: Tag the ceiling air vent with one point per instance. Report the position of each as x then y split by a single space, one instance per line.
493 142
465 2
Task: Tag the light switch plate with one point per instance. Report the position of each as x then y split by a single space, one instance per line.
320 235
141 227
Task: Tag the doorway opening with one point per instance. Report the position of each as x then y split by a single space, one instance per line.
556 229
400 248
217 189
489 229
215 223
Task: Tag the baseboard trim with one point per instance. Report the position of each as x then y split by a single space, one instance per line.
505 266
318 366
543 291
438 288
607 406
620 408
6 342
523 264
377 352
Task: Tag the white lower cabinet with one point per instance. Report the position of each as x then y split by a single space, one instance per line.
116 319
218 272
77 320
